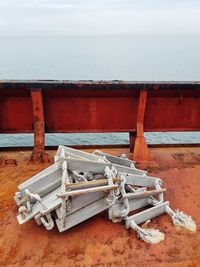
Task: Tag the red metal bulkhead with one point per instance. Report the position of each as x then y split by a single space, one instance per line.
73 107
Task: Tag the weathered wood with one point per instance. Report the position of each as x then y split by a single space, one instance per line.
98 167
137 180
79 202
82 200
115 160
145 193
44 178
82 185
76 153
148 214
92 157
87 190
50 201
83 214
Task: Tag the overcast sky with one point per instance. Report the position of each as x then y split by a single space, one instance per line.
99 17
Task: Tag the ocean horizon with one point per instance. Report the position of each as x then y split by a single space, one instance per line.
127 58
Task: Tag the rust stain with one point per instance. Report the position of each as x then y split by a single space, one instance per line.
99 242
98 106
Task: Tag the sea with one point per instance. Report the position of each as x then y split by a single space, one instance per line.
128 58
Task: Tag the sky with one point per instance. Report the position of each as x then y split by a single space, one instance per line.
99 17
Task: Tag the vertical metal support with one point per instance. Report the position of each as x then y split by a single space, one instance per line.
141 151
132 138
38 154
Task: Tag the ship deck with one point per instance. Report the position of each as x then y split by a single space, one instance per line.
99 242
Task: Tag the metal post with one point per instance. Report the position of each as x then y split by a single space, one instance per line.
141 151
38 154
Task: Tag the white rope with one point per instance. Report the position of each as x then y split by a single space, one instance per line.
65 179
123 156
152 236
181 219
118 215
23 210
48 222
33 196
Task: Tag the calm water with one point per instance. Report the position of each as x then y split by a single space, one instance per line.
97 58
100 58
101 138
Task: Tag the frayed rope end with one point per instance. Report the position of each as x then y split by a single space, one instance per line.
181 219
152 236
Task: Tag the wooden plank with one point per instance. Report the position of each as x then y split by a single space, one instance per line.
42 179
83 214
145 193
87 190
137 180
148 214
98 167
79 202
89 184
76 153
115 160
50 201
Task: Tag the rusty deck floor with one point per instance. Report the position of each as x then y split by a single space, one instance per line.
99 242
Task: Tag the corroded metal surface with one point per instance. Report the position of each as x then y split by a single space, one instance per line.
38 124
98 242
101 106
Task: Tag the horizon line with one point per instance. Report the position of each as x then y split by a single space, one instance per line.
106 35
